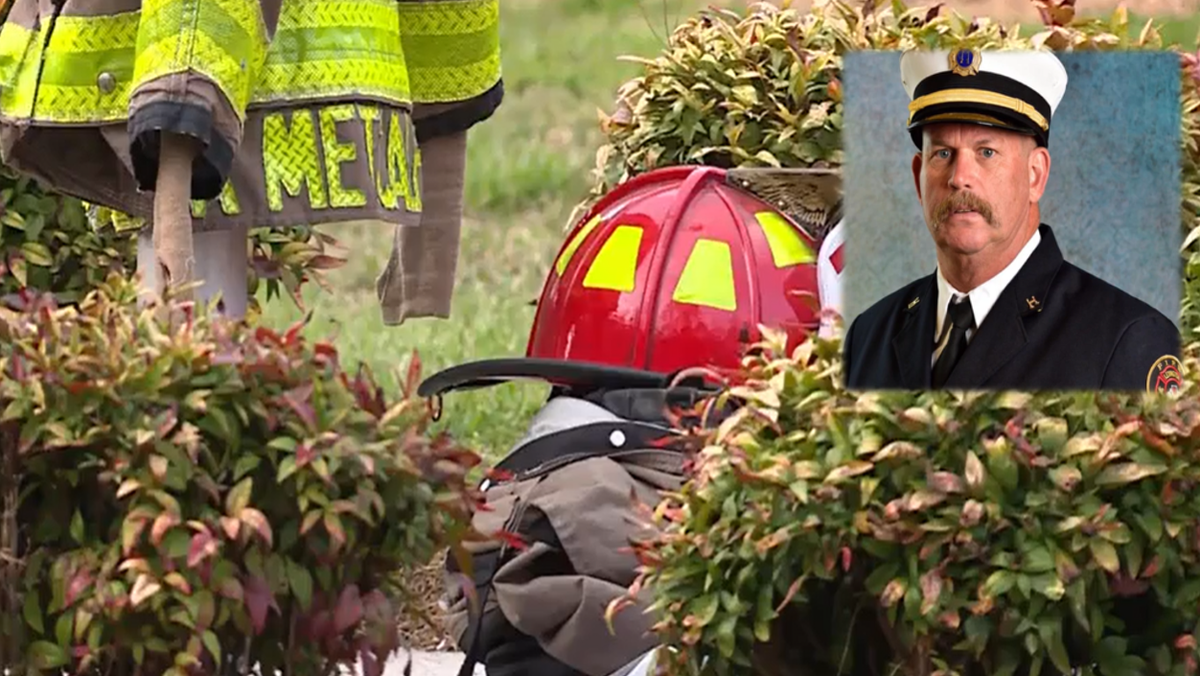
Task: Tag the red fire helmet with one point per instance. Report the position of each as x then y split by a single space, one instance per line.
676 268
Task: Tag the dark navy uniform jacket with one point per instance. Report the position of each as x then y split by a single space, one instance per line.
1053 327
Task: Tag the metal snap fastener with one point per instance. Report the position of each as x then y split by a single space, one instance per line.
617 438
106 82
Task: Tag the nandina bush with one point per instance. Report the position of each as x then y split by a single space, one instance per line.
916 533
206 500
908 533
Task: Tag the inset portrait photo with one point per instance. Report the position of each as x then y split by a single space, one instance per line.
1012 220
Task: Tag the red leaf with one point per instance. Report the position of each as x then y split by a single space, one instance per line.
231 526
162 524
203 546
320 626
325 262
259 599
324 353
792 590
511 539
232 589
293 334
334 525
497 475
299 399
1151 568
18 368
265 335
76 586
349 610
258 521
414 375
166 422
370 666
846 557
304 454
1185 642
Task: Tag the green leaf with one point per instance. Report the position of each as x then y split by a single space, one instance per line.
239 497
726 635
77 527
46 655
1151 524
62 628
1050 632
287 467
301 583
176 543
33 611
977 629
36 253
1126 472
999 582
1037 560
213 645
879 578
1048 585
245 465
1105 554
1133 557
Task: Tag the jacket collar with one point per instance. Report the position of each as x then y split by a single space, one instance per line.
999 337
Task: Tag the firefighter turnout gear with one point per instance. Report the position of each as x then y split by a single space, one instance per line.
309 111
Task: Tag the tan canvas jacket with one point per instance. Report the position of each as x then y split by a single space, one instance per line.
593 505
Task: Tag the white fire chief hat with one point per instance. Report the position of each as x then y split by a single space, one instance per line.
1015 90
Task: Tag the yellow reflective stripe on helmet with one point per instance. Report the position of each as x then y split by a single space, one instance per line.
452 47
615 266
572 246
225 40
707 277
333 48
787 248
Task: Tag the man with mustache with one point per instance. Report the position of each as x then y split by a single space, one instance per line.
1003 309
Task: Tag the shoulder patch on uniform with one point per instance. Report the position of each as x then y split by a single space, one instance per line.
1165 376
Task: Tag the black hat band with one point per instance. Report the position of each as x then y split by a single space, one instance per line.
984 88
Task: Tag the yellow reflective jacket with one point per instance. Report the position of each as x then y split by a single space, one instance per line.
310 111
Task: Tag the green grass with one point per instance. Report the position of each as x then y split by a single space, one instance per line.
527 168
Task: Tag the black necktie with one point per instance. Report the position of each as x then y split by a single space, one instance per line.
961 319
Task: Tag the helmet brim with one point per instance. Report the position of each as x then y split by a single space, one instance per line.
571 374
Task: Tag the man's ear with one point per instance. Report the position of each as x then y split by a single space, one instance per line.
1039 172
916 169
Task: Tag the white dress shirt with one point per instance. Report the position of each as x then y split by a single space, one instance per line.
983 297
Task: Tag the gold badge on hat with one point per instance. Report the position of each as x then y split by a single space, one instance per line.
965 61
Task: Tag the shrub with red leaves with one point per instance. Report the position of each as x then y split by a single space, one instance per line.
208 500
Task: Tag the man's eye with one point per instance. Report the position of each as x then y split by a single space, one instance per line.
943 154
988 152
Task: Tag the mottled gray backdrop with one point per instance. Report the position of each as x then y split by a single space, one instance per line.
1113 196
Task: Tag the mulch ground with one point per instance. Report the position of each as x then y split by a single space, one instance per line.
427 583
